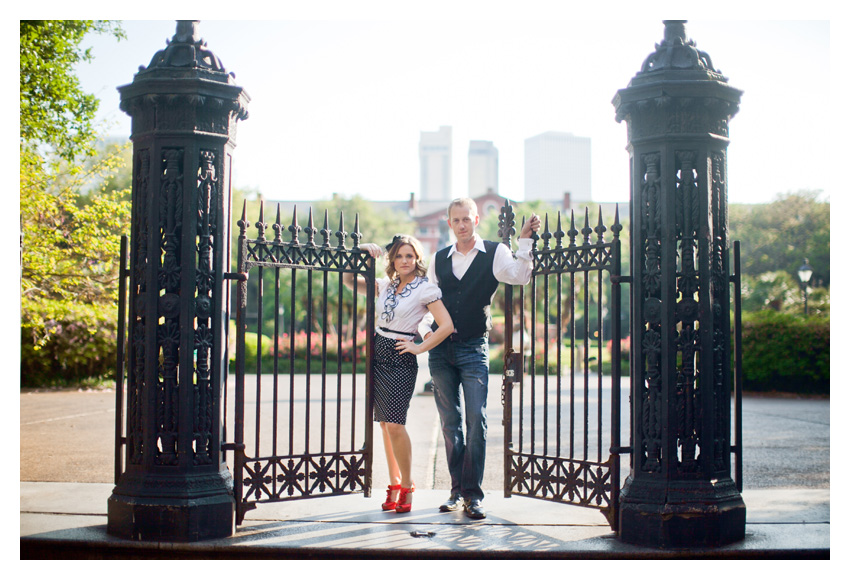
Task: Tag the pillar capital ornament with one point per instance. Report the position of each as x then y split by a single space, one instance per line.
680 54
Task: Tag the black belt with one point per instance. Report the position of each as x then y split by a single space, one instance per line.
397 331
455 337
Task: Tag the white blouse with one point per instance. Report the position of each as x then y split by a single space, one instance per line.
404 311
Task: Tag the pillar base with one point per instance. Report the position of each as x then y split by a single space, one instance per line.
146 513
689 514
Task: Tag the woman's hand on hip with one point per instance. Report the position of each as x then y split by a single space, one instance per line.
403 346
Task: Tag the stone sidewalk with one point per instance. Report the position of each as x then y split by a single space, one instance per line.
68 520
67 472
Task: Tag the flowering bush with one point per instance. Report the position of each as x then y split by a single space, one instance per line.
336 351
334 348
625 345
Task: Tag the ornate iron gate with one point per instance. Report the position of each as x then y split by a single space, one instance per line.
561 333
307 406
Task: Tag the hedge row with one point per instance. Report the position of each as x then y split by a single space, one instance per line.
78 352
781 352
785 353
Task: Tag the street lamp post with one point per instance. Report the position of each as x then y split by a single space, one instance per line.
805 274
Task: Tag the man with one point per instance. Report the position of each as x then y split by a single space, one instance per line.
469 272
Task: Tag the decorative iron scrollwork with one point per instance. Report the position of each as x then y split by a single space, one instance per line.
561 479
650 386
208 202
168 330
138 288
687 311
719 296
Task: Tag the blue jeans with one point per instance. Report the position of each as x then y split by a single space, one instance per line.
453 364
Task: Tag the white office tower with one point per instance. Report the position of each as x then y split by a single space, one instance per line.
435 165
483 168
557 163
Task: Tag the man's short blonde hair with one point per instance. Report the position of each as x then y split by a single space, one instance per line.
466 202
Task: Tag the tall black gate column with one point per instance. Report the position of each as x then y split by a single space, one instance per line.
679 491
184 108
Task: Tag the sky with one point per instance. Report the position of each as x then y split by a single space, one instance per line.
338 102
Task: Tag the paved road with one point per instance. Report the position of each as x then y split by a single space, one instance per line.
67 436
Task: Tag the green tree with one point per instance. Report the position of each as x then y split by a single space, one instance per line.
69 271
781 234
54 110
375 225
71 219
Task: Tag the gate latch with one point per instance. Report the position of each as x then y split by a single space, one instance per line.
513 366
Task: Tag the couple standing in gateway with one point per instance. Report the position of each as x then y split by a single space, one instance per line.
449 304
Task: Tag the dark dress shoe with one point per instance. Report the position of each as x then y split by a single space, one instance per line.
454 503
475 510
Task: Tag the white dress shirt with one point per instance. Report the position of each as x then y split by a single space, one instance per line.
401 313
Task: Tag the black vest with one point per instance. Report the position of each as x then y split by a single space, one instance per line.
468 299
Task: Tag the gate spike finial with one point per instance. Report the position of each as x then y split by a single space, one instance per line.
356 235
261 225
277 226
341 233
310 230
547 235
507 223
616 228
586 230
243 223
573 231
600 228
326 232
294 228
559 232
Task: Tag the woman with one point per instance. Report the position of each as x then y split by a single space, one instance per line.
404 297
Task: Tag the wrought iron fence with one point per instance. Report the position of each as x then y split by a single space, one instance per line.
562 403
301 409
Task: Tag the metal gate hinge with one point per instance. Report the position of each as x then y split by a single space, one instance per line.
240 276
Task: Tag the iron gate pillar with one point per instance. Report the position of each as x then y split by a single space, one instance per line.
680 491
184 108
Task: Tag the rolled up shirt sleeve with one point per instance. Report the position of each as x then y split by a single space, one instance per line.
510 270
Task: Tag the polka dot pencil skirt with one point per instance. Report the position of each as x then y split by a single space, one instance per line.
395 380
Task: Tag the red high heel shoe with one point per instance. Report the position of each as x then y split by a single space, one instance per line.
390 505
404 506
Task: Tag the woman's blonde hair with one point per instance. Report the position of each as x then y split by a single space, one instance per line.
400 240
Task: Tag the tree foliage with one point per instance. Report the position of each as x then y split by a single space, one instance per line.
54 109
375 225
71 220
69 270
782 234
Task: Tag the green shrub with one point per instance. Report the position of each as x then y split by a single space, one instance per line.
497 363
783 352
80 348
336 354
